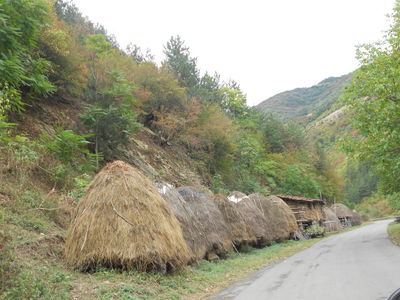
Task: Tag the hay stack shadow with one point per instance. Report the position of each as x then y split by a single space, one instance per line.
123 222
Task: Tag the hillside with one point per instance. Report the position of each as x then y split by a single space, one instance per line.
306 102
72 102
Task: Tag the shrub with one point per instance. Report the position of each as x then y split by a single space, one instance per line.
315 231
71 149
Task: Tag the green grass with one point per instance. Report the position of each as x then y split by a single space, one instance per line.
394 233
193 282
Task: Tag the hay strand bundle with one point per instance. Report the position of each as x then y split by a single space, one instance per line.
123 222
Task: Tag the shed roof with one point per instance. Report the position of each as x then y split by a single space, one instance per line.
300 199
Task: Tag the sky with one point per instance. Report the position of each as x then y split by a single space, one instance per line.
267 46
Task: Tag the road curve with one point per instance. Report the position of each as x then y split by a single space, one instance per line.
362 264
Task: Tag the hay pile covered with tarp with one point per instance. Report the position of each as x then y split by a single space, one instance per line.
208 218
331 223
252 215
240 231
122 221
280 219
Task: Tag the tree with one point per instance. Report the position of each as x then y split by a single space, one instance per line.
233 102
112 118
374 100
137 54
208 90
182 65
22 70
274 132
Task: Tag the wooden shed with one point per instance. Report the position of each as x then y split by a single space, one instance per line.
307 211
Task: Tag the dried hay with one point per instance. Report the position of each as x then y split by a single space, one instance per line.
341 210
215 235
240 231
253 216
123 222
307 209
356 218
193 232
280 218
332 223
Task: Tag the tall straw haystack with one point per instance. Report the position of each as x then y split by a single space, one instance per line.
279 216
239 229
123 222
332 223
214 231
252 215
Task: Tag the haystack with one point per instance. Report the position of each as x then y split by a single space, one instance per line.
332 223
123 222
280 218
261 233
356 218
193 231
240 231
343 212
214 231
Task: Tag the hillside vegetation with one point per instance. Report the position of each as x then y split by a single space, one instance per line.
306 104
72 100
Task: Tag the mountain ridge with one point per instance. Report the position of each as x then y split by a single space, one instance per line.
306 103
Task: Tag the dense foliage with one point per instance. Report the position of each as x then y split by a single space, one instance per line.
374 99
22 70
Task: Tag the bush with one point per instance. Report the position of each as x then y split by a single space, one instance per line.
71 149
315 231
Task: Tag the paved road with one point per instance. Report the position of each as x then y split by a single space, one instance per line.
357 265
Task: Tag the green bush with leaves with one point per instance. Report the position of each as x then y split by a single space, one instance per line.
315 231
373 98
71 149
112 119
21 67
297 181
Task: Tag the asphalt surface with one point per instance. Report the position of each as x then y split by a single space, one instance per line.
362 264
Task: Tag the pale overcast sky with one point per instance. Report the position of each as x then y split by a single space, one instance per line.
267 46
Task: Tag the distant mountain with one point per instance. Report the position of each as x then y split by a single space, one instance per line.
306 103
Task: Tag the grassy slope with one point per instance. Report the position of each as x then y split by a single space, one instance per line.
394 233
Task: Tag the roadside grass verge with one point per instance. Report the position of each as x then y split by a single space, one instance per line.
394 233
194 282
